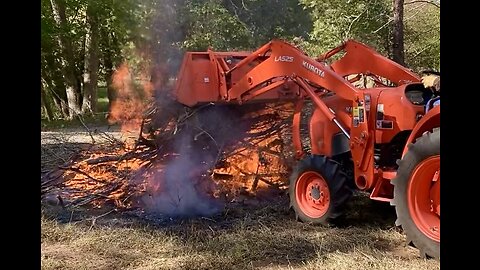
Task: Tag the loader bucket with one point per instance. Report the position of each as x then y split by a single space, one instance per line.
201 76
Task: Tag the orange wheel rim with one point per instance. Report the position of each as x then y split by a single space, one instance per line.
424 197
312 194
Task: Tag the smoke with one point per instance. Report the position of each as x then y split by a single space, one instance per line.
184 186
167 35
134 87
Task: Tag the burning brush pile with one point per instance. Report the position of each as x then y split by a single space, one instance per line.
184 161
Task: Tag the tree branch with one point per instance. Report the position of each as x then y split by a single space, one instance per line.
352 22
423 1
421 51
80 118
77 170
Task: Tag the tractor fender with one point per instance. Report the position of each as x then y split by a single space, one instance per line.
428 122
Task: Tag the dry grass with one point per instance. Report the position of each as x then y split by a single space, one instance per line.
263 237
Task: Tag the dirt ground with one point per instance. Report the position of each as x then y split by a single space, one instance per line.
259 235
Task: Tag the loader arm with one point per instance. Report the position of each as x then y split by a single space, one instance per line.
284 61
278 70
360 59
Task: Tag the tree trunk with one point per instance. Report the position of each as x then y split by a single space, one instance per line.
398 46
45 103
90 75
108 64
62 105
55 83
108 78
67 59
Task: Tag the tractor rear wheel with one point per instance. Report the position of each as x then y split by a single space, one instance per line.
417 194
318 190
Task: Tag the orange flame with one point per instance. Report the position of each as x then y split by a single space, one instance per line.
106 181
130 100
265 162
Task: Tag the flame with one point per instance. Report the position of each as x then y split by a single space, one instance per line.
130 100
262 163
106 181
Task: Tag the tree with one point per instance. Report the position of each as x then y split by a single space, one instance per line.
82 43
408 32
337 20
422 35
398 49
210 24
90 74
45 103
67 57
268 19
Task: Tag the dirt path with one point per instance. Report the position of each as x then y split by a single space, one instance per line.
60 145
81 135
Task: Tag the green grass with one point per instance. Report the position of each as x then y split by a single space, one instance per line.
99 119
102 101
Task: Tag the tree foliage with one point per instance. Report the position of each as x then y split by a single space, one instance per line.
371 22
152 34
422 36
337 20
210 24
67 45
269 19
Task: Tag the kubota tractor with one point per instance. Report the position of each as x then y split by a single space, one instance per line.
383 139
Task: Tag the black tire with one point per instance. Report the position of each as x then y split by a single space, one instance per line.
424 147
336 180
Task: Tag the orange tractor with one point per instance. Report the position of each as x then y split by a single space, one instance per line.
383 139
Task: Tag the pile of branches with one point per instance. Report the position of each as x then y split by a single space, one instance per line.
114 172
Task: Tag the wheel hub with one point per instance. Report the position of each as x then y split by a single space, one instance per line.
424 197
312 194
315 193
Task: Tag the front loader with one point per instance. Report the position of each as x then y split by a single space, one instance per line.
375 126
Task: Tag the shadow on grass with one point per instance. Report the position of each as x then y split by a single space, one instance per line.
265 234
269 234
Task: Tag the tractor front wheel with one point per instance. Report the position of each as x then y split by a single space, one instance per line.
417 194
318 190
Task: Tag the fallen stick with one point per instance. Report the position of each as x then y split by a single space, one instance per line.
77 170
104 159
90 197
271 183
80 118
45 183
94 219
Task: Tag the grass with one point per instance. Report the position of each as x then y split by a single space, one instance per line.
102 101
267 237
99 119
